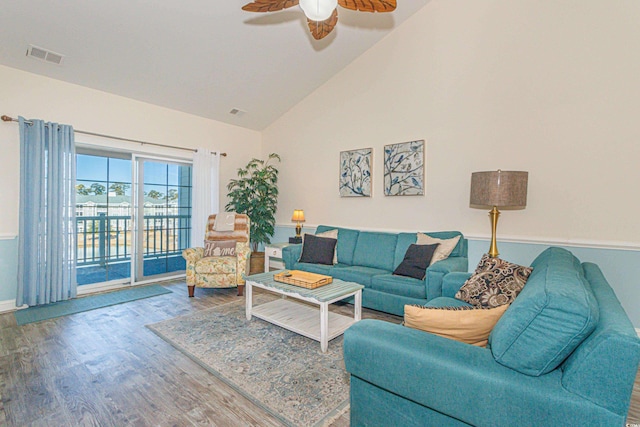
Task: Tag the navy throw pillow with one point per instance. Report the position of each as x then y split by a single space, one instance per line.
318 250
416 260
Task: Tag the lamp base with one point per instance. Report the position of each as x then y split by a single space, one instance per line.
295 240
493 249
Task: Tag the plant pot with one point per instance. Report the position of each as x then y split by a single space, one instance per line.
256 263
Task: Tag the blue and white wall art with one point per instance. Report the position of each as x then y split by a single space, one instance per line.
404 169
355 173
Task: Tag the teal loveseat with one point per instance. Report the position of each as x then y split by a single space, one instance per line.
563 354
369 258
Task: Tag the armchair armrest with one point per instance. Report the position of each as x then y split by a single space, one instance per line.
193 255
291 255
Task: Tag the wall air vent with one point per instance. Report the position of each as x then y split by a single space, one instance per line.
237 112
44 55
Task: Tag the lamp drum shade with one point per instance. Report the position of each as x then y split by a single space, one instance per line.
506 189
298 215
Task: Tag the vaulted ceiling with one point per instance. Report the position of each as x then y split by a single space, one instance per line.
204 57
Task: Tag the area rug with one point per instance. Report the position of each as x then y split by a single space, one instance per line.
77 305
284 373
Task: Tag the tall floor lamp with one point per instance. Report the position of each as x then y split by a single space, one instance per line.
498 189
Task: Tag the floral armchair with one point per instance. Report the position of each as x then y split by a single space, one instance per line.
220 268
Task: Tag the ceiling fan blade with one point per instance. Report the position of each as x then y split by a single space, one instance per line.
369 5
269 5
321 29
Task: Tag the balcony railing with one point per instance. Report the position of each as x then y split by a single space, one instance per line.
102 239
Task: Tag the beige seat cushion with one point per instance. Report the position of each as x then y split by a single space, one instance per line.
216 265
466 324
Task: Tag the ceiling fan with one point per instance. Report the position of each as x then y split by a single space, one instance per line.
322 15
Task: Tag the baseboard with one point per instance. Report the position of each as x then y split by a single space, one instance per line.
9 305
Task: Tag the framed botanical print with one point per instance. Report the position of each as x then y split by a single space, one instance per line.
404 169
355 173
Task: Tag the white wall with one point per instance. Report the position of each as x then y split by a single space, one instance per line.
34 96
547 87
38 97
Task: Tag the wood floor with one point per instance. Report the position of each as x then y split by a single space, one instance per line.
104 368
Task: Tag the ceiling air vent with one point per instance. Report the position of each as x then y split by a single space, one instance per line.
44 55
237 112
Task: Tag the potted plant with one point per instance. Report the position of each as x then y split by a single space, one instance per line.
255 193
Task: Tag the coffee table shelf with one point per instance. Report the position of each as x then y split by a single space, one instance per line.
312 320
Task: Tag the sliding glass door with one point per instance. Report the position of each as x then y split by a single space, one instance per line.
130 229
164 217
103 217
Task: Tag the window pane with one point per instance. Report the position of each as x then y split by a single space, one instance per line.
91 167
155 173
119 170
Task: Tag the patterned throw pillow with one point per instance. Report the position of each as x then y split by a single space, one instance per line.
495 282
219 248
466 324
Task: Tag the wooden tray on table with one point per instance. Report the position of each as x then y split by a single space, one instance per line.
303 279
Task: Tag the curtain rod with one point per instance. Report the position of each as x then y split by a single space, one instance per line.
11 119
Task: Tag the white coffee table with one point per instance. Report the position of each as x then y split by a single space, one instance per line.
317 323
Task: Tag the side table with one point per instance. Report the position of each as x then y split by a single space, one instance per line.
273 256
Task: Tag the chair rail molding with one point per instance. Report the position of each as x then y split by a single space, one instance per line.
545 240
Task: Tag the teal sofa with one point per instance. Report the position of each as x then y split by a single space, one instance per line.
369 258
563 354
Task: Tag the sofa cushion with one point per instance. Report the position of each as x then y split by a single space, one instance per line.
399 285
318 250
375 250
495 282
446 246
554 313
465 324
358 274
347 240
314 268
415 262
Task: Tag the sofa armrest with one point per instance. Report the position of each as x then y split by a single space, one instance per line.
457 379
450 265
291 255
437 271
452 282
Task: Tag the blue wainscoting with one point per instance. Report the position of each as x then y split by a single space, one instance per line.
620 267
8 268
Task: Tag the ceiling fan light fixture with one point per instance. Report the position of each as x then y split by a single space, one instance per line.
318 10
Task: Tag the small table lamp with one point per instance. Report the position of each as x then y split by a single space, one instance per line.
298 217
498 189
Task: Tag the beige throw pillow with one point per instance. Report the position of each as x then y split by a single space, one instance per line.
443 251
332 234
225 221
466 324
